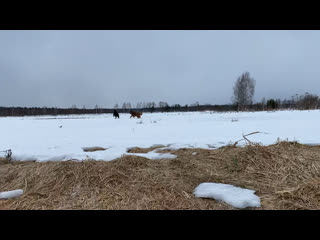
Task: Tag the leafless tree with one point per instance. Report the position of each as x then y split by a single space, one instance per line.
96 107
163 104
263 103
196 104
126 106
308 101
139 105
149 104
243 91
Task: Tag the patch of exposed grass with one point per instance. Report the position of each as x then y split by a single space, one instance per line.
143 150
285 175
3 160
93 149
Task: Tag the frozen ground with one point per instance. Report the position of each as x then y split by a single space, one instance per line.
59 138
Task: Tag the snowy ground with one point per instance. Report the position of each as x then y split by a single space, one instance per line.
42 138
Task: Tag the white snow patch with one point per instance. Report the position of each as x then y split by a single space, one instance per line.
234 196
154 155
11 194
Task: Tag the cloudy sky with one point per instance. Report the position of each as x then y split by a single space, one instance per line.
63 68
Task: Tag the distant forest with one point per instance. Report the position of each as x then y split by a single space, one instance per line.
242 100
303 102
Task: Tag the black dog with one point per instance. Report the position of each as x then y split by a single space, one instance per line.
116 114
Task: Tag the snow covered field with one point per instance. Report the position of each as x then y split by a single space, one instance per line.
58 138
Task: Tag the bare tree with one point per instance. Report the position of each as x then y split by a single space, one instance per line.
126 106
196 104
243 91
308 101
96 107
149 105
163 104
263 103
139 105
153 105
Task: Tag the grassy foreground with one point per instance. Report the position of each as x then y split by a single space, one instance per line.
285 175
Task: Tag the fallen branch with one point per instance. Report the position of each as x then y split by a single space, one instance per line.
246 139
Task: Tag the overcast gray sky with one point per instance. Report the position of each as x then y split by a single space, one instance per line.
62 68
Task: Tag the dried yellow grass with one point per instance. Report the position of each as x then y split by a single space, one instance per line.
3 161
93 149
143 150
285 175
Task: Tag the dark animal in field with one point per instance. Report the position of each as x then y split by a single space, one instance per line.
135 114
116 114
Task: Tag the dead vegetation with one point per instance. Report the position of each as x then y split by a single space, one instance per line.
4 160
285 175
143 150
93 149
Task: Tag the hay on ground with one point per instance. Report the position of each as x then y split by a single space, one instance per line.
93 149
285 175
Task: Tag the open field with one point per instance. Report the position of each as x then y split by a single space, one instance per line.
156 162
285 175
61 138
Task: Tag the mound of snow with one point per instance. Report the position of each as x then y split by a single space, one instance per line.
11 194
234 196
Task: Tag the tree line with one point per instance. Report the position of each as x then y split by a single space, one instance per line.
242 100
303 102
35 111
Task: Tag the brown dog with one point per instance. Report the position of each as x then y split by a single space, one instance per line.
135 114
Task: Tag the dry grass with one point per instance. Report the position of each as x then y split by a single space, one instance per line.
93 149
143 150
285 175
3 161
